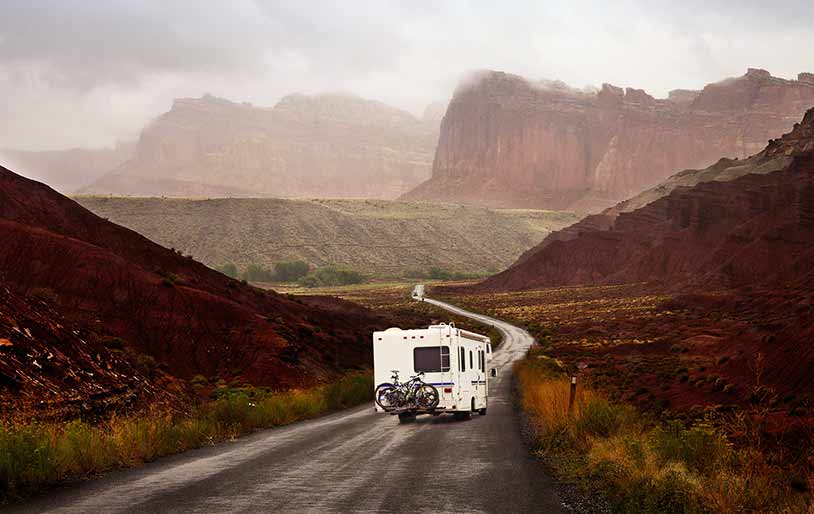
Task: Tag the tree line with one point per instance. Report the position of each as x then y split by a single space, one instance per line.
294 271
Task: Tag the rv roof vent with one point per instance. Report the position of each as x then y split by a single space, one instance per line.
393 329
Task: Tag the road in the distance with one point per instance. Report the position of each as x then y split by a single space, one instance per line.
353 461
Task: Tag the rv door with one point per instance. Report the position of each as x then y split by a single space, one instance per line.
464 385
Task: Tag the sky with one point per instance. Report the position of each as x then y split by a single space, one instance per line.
88 73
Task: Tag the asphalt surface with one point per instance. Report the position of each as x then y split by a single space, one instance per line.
353 461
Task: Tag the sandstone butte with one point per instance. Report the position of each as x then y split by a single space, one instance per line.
508 142
330 145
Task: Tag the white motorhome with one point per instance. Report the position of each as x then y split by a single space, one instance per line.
454 361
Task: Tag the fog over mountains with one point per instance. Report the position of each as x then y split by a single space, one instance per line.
510 142
320 146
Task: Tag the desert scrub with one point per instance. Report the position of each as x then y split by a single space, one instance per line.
34 454
643 465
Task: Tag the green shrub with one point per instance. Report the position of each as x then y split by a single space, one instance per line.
351 390
698 447
199 381
257 273
436 273
146 363
290 271
228 268
601 418
327 276
114 343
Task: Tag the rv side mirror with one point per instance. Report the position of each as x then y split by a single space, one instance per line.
494 372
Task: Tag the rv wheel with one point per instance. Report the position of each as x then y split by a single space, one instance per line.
482 411
406 417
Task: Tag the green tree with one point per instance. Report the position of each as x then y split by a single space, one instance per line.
290 271
258 273
229 269
332 276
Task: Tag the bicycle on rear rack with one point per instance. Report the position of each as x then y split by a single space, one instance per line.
412 395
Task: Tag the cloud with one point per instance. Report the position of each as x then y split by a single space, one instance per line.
89 73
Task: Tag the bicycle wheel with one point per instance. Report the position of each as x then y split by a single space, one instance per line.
385 396
427 397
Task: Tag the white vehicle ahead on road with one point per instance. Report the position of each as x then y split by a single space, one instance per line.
431 371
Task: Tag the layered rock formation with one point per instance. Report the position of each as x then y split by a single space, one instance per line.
509 142
67 170
321 146
731 225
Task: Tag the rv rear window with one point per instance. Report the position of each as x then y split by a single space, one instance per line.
431 359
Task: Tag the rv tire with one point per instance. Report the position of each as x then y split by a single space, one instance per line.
482 411
406 417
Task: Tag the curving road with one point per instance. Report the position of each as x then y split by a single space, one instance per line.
352 461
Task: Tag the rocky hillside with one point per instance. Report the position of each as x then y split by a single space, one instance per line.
71 280
48 364
67 170
317 146
734 224
377 237
509 142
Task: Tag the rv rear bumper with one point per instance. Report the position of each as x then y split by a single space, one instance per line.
417 411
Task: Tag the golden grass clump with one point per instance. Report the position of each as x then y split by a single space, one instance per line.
643 465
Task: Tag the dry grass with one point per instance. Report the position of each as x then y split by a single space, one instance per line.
33 455
644 465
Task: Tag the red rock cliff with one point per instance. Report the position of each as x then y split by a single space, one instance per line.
509 142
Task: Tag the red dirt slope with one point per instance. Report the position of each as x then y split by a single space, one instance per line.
51 368
111 281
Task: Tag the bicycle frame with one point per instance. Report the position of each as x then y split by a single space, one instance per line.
407 389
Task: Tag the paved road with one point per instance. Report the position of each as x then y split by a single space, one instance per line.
355 460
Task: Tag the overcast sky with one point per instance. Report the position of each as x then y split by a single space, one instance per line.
88 73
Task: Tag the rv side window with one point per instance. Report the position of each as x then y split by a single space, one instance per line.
471 366
431 359
462 360
480 359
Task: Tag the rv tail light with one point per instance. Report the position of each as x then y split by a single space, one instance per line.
447 389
